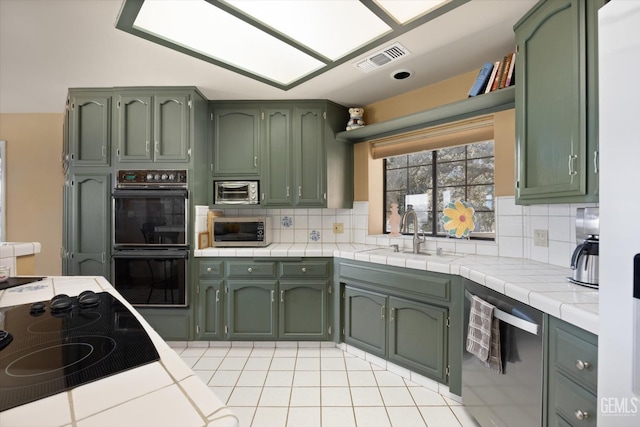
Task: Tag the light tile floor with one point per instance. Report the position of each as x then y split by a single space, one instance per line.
312 384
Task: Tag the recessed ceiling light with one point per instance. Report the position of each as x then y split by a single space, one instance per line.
401 74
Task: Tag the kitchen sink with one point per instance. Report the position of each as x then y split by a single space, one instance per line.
408 253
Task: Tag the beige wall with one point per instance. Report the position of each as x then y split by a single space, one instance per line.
368 172
34 184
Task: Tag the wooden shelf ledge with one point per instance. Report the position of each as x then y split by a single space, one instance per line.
488 103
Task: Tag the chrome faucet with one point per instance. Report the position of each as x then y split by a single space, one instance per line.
416 237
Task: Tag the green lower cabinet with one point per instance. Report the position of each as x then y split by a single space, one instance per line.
417 337
210 302
571 375
364 320
251 310
303 310
87 222
171 324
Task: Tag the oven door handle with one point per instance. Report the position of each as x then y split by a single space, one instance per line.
145 192
154 254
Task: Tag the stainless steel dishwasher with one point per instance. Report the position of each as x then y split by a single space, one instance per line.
514 397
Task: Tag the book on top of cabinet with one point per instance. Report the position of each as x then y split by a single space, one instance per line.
481 81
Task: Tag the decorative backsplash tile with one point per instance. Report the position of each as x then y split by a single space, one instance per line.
514 229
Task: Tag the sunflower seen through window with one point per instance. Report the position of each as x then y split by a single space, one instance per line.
429 180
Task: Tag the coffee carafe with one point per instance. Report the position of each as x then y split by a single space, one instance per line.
585 258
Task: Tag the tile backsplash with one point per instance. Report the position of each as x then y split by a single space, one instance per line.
515 227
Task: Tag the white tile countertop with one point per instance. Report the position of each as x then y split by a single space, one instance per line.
10 250
542 286
136 397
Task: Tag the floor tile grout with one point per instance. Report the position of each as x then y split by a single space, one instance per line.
363 392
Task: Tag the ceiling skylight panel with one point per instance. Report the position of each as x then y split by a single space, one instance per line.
330 27
406 10
199 26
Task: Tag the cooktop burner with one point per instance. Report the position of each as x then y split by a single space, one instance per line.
51 346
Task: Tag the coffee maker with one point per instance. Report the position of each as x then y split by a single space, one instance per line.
584 261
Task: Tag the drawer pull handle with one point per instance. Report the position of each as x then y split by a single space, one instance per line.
208 269
250 270
582 365
382 312
273 296
304 269
281 296
393 314
581 415
217 295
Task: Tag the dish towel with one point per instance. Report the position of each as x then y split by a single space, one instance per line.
483 334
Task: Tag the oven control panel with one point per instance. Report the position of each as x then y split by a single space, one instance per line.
151 178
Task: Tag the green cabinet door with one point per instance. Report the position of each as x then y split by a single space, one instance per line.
89 218
556 103
303 310
209 309
309 156
171 127
364 320
277 186
236 140
251 309
89 133
134 114
417 337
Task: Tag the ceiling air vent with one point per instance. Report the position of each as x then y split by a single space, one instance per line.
382 58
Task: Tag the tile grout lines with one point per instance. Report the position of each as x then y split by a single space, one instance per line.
314 352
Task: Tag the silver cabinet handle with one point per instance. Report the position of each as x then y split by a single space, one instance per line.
255 161
250 270
581 415
104 151
218 295
281 296
582 365
382 312
393 314
572 172
208 269
300 191
156 146
273 296
147 146
287 191
595 161
304 269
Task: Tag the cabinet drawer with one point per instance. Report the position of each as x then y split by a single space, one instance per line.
304 269
577 358
211 268
250 269
571 400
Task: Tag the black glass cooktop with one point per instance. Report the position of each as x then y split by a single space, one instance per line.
52 346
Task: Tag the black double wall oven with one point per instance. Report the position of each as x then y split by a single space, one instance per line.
150 237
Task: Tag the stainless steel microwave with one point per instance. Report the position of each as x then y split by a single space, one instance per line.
236 193
241 231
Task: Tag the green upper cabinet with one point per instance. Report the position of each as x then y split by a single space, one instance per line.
236 140
153 126
88 137
171 127
290 146
556 103
277 188
309 156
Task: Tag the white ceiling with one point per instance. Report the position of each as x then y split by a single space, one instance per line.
49 46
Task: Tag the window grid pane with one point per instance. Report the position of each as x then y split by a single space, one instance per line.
464 172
